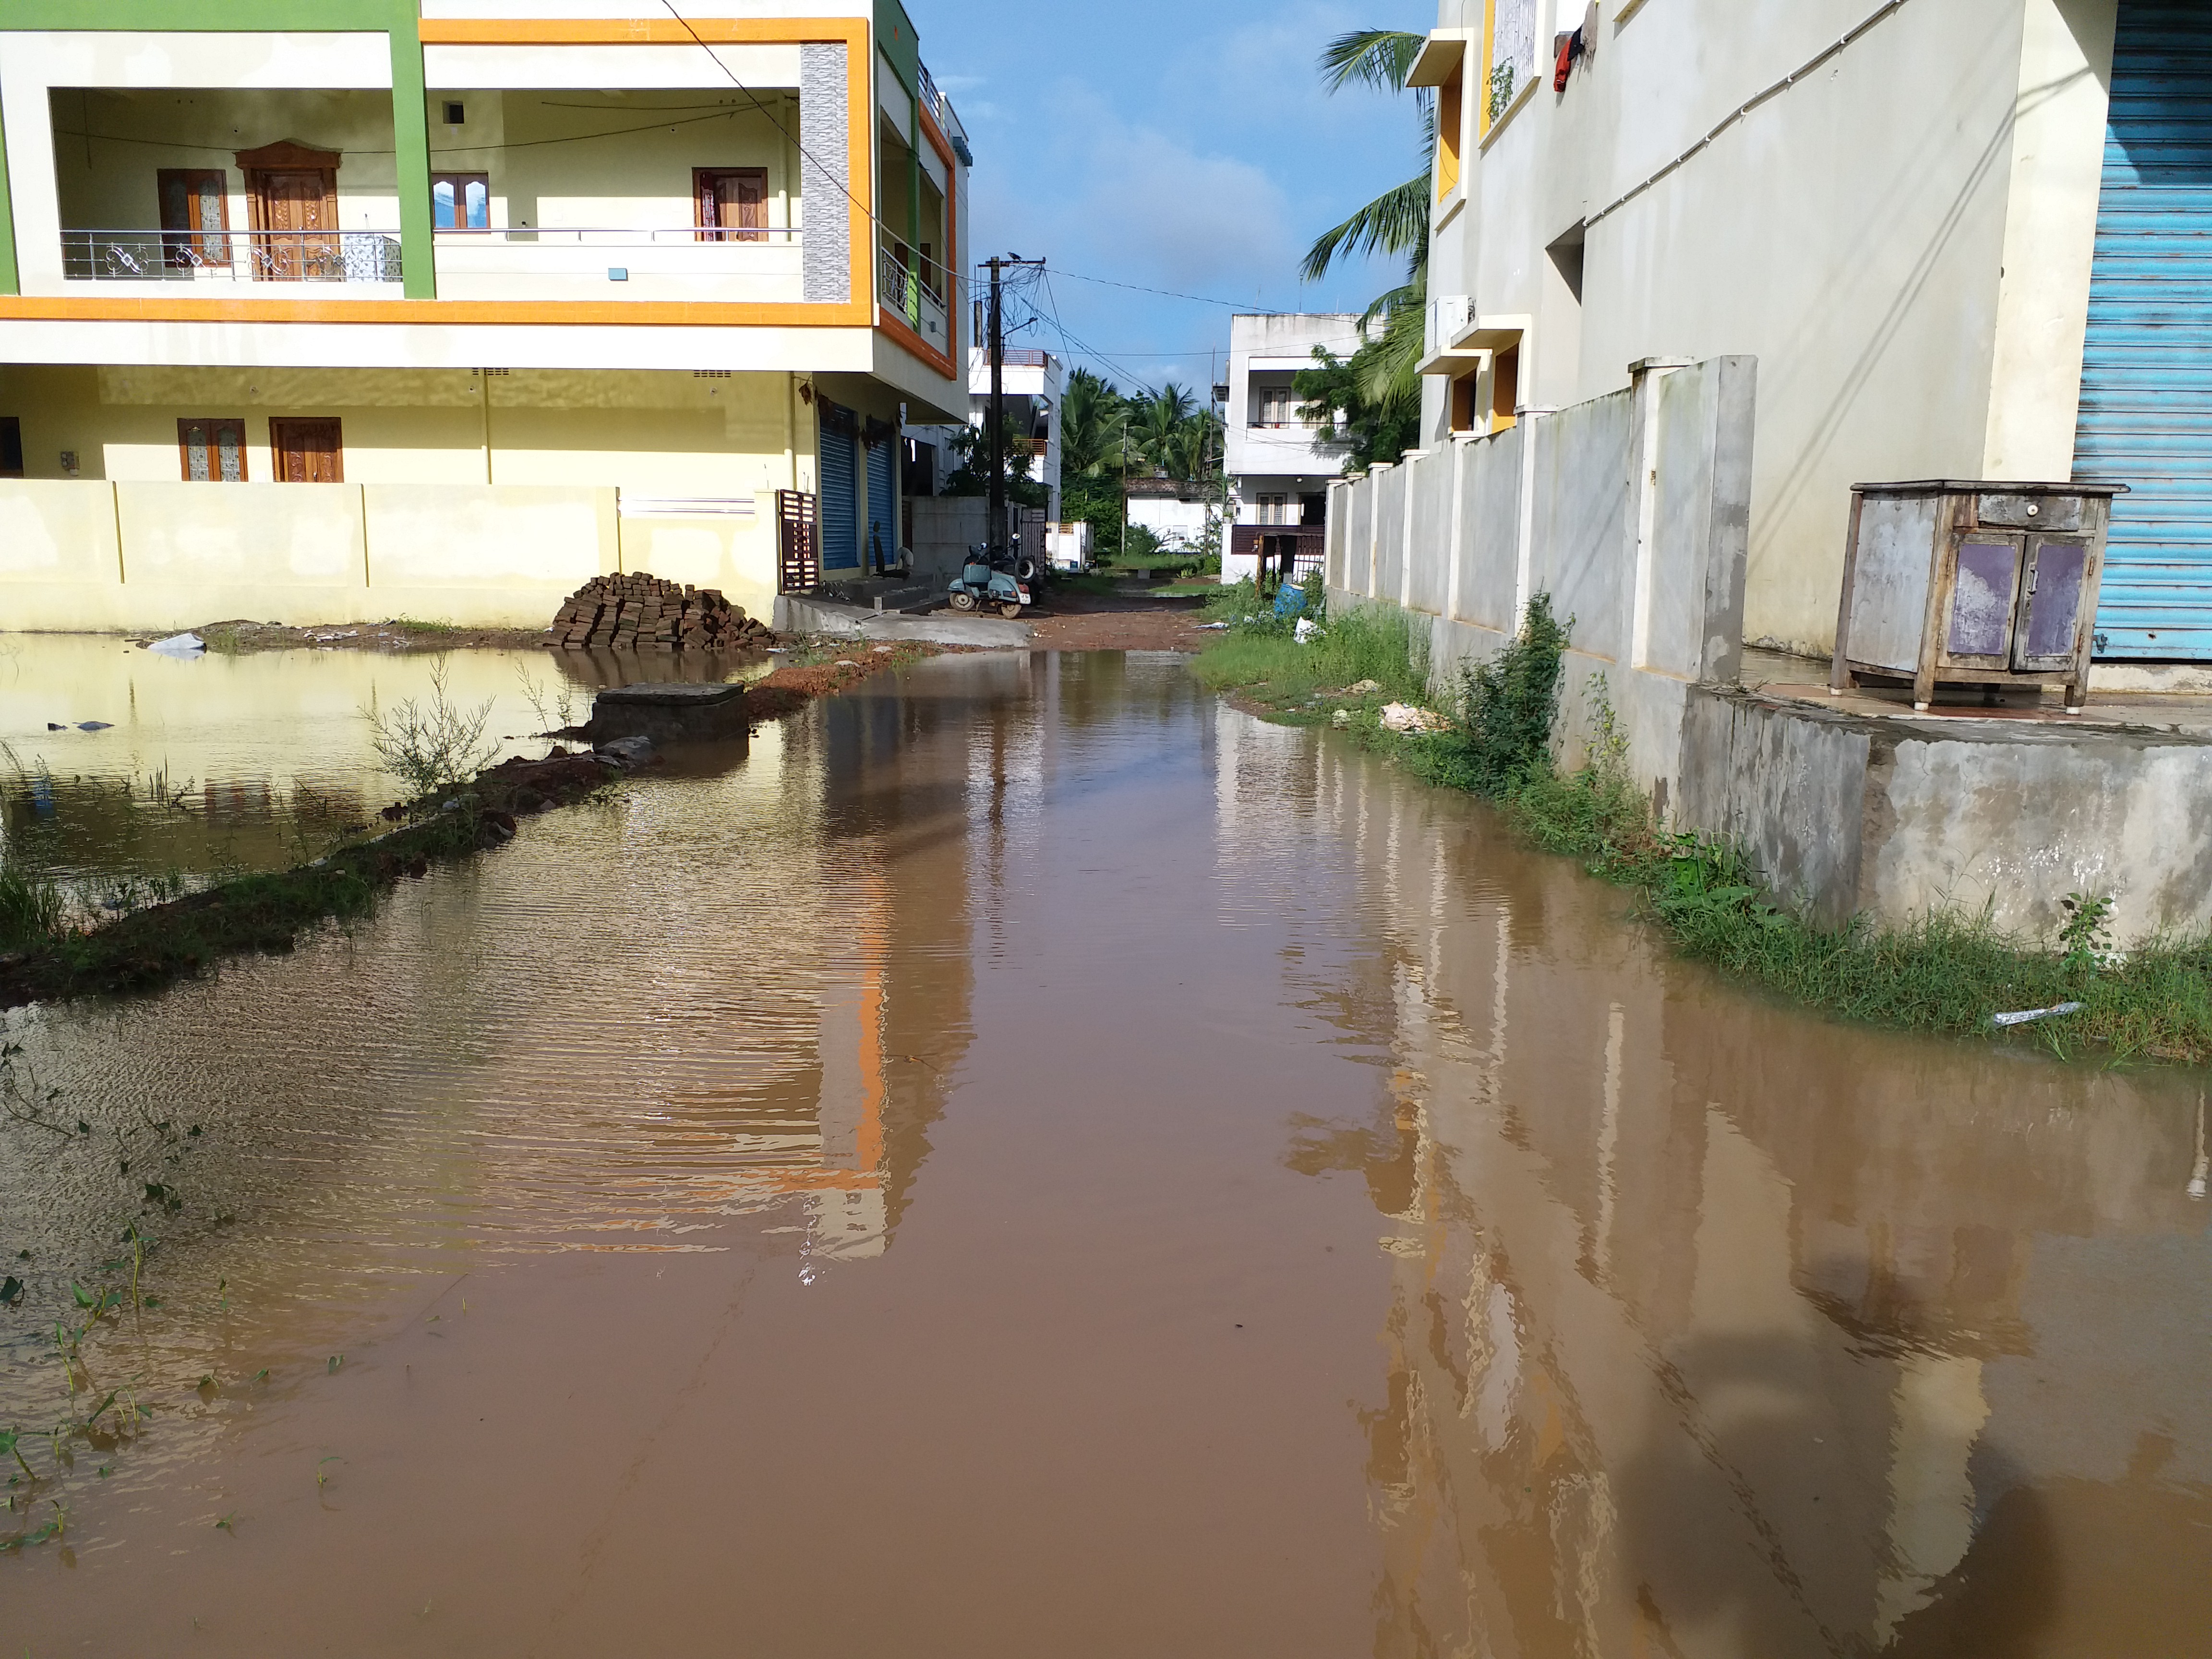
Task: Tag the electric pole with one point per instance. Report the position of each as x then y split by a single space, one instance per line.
997 418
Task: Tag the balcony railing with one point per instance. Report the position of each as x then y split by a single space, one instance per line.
940 111
245 255
905 296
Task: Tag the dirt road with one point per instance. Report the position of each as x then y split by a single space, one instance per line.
1088 622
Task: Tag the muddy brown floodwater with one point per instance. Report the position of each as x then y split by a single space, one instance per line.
1036 1162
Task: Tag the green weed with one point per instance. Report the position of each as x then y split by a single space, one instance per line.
433 744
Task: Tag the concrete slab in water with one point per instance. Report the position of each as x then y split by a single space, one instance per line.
667 695
668 712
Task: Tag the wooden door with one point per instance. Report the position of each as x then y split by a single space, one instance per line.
306 451
731 203
298 212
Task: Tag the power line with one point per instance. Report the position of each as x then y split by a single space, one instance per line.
442 149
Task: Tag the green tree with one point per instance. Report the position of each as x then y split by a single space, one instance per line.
972 476
1335 395
1383 399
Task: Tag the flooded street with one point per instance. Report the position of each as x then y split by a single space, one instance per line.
203 765
1034 1161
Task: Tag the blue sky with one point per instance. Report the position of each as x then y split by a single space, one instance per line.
1179 144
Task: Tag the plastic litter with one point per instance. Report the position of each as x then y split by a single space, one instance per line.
1303 631
2026 1015
181 645
1363 688
95 725
1404 717
1290 600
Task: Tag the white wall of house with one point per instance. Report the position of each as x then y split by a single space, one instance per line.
1901 237
1276 460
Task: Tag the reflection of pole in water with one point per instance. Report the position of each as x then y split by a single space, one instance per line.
2202 1169
1608 1137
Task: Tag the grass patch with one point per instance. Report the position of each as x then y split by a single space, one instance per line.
1260 660
1945 973
32 910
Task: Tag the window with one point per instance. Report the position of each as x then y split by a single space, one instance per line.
306 451
193 200
456 115
730 204
11 447
1505 387
1463 390
212 448
1509 58
1447 127
1278 405
1274 509
460 201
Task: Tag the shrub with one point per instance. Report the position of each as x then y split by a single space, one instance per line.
435 745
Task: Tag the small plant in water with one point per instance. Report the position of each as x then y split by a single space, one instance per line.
555 705
433 744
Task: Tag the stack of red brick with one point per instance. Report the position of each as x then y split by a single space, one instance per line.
638 612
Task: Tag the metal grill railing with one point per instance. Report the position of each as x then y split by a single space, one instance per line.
258 256
900 292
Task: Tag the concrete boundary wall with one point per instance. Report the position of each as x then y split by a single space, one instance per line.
1631 511
90 555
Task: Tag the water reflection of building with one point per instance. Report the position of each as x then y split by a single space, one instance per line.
1715 1329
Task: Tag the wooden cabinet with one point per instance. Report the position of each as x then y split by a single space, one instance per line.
1954 582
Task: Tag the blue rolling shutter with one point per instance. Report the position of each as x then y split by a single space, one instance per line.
2147 372
883 541
841 488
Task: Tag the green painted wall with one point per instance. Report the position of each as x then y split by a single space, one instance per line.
411 117
901 47
9 282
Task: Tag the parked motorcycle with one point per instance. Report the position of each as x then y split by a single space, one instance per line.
980 583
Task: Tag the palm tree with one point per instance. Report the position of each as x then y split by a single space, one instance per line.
1090 410
1394 222
1158 420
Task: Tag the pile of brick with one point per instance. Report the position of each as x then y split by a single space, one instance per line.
638 612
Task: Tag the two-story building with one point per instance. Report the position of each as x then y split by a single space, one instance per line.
1279 463
320 308
1968 238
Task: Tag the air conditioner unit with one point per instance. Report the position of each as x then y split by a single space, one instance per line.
1448 316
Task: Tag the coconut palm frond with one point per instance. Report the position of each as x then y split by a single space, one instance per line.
1397 222
1382 58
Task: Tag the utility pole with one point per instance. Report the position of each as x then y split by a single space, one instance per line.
997 418
1122 547
998 414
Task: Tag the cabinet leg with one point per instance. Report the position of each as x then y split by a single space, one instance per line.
2077 693
1924 690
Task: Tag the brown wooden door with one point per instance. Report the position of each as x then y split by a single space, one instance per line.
306 451
731 203
298 210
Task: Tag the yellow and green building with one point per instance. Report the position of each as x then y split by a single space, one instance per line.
317 309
